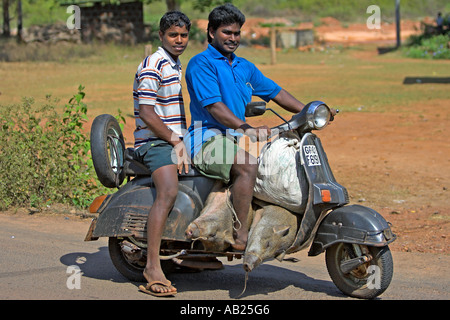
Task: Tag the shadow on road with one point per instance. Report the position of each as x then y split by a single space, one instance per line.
264 280
95 265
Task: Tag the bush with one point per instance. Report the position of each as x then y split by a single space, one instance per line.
434 47
45 155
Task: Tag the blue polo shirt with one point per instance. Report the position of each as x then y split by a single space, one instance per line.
211 78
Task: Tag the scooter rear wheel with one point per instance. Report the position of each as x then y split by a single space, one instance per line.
132 270
368 280
108 149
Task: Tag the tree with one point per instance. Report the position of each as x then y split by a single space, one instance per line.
198 4
6 29
203 4
19 21
173 5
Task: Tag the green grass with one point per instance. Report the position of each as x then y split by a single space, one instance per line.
352 79
356 79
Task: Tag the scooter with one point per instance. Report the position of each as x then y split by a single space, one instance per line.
354 238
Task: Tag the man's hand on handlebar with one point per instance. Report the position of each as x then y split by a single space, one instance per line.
260 133
333 113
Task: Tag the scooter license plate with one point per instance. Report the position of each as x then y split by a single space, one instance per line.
311 155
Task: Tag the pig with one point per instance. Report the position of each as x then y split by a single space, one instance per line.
272 232
272 228
214 226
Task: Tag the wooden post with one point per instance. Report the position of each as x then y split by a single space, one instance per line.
273 45
148 50
397 21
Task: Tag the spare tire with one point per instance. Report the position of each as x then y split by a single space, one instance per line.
107 150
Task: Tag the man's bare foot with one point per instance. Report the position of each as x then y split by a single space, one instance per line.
238 246
240 241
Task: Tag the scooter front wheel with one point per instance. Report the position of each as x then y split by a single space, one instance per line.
360 271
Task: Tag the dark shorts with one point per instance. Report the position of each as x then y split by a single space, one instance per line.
155 154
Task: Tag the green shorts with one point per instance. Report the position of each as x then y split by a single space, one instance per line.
216 157
155 154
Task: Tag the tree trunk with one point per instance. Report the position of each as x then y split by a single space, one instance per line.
173 5
19 21
6 29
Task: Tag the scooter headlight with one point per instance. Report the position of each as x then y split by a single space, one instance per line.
321 116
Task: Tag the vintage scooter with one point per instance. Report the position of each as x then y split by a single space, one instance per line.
354 237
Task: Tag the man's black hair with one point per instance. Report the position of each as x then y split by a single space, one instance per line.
176 18
224 15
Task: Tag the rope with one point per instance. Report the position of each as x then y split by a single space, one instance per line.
245 284
199 238
182 252
235 217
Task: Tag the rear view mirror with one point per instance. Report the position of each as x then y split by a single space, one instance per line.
256 108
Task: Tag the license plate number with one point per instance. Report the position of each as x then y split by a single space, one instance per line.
311 155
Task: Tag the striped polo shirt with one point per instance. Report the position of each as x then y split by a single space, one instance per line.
158 83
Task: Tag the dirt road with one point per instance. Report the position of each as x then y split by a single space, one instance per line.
40 253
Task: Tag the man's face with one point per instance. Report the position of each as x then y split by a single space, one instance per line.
175 40
226 38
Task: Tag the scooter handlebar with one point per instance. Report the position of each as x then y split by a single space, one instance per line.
298 120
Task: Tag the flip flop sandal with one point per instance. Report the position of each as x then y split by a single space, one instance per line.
148 289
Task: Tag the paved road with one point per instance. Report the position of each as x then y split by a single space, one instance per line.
38 251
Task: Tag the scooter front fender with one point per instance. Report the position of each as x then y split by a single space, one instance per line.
352 224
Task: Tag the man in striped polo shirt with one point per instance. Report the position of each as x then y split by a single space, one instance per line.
160 120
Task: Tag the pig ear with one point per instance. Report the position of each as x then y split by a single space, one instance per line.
281 230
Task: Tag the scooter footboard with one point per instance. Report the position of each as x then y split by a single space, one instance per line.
352 224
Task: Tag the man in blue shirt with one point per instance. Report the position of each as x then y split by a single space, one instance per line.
220 85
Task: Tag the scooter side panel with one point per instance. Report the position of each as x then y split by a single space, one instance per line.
126 213
352 224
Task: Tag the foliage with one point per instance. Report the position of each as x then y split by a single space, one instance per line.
202 5
428 47
49 11
344 10
44 155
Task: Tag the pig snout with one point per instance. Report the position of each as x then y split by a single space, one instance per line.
251 261
192 231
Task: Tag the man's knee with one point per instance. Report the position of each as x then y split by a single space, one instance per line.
246 161
248 170
167 195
